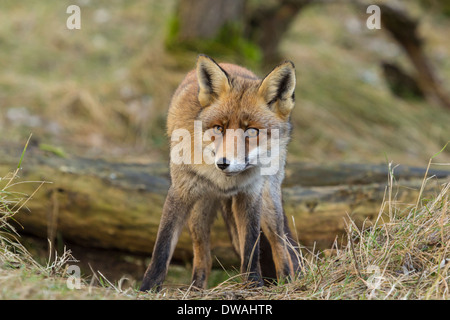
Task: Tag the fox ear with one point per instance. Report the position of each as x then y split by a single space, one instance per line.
277 89
212 80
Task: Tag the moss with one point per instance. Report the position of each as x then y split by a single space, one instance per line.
228 43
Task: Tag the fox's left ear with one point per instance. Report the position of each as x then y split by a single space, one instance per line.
212 80
277 89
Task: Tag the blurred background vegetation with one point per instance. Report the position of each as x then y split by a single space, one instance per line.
103 90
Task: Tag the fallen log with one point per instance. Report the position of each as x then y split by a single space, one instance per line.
110 205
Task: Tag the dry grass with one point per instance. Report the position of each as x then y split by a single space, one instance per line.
21 276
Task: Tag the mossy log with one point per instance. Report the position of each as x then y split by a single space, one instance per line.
111 205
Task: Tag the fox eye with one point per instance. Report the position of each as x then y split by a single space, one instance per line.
218 129
252 132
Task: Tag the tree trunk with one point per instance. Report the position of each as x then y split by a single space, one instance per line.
267 26
203 19
404 30
110 205
264 26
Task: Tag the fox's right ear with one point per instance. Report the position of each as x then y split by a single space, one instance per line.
277 89
212 80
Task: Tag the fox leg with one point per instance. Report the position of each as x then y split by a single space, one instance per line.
247 212
230 222
292 246
276 229
175 212
268 269
267 265
200 221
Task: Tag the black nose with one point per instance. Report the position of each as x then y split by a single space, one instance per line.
223 163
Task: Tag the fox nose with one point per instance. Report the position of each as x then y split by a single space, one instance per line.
223 163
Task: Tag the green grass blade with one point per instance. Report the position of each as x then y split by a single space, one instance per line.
23 152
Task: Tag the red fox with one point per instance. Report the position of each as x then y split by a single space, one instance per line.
220 121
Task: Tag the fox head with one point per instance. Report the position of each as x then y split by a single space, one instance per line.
241 113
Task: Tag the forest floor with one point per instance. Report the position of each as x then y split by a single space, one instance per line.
403 255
